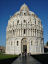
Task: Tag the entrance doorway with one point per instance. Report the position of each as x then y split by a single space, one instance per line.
25 48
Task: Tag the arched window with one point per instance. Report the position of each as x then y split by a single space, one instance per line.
24 31
13 23
17 43
24 13
13 31
17 21
35 21
38 22
24 21
35 32
31 42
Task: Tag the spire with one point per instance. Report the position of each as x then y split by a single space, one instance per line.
24 7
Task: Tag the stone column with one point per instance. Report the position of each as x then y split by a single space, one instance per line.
27 47
36 32
19 32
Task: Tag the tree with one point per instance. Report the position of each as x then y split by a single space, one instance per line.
47 43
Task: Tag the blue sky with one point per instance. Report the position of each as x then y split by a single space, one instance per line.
9 7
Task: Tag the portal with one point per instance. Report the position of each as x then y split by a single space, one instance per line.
25 48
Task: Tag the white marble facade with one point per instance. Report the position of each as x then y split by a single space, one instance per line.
24 28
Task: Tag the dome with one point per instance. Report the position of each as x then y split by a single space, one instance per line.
24 7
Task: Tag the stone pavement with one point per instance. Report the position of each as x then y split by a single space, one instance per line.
26 60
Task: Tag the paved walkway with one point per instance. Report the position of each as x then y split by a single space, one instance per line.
26 60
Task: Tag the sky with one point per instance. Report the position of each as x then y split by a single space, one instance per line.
9 7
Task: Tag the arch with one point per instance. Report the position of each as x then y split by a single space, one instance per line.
24 45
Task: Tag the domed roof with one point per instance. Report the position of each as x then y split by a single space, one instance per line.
24 7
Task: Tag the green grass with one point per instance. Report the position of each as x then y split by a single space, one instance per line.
6 56
43 58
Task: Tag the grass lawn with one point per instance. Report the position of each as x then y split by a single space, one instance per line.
6 56
43 58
